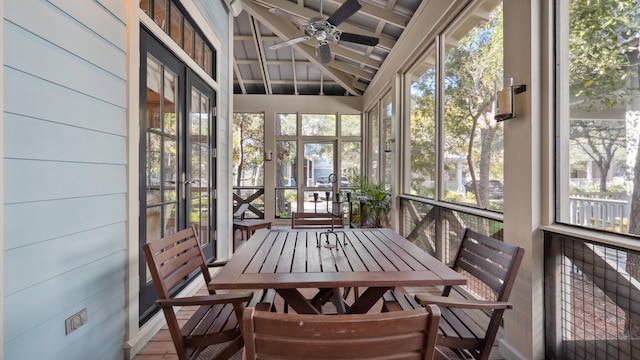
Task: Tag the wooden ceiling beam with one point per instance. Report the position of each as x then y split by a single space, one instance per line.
380 14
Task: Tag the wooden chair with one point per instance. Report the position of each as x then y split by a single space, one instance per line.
171 260
492 266
399 335
246 226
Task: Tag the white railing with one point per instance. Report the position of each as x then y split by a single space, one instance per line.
598 213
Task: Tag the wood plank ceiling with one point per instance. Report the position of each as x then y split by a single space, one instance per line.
297 69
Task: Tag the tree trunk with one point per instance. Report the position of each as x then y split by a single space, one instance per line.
604 167
486 138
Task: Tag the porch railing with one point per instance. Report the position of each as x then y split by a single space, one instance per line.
254 196
611 214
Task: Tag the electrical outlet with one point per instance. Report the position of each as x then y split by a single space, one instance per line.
75 321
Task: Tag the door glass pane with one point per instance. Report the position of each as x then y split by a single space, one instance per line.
286 163
170 218
154 88
199 162
351 154
318 201
170 102
161 146
286 202
318 164
170 169
318 124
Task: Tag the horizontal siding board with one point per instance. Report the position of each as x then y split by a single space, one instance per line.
108 320
48 180
59 256
105 311
25 310
37 98
115 7
92 34
29 138
94 344
217 15
60 218
105 18
65 97
33 55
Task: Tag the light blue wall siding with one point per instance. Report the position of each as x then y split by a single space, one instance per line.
65 177
216 14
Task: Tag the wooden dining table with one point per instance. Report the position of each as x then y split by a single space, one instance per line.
290 260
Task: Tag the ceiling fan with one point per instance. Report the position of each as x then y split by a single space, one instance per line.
324 29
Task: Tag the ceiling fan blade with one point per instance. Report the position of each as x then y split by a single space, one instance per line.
298 21
359 39
325 53
290 42
345 11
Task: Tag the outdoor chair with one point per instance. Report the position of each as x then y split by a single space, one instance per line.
398 335
171 261
246 226
491 267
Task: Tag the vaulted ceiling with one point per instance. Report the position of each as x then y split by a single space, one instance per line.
298 69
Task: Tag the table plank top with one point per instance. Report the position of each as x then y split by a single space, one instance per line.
286 259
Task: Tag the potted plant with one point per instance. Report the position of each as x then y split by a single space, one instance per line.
374 199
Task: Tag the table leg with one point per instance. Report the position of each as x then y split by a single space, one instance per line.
367 299
297 301
337 300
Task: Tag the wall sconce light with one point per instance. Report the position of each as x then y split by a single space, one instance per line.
389 145
505 105
268 155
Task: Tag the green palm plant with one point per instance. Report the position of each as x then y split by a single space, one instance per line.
375 198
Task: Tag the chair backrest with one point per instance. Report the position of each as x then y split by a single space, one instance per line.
239 214
399 335
492 262
173 258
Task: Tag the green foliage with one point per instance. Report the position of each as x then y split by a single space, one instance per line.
375 198
601 34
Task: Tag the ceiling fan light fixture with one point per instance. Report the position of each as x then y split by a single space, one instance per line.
325 30
321 35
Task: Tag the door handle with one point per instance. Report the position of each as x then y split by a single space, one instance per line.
186 182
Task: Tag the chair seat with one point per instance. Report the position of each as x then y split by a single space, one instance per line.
457 329
220 320
208 322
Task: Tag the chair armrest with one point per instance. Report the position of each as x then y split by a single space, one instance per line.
453 302
217 263
206 300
